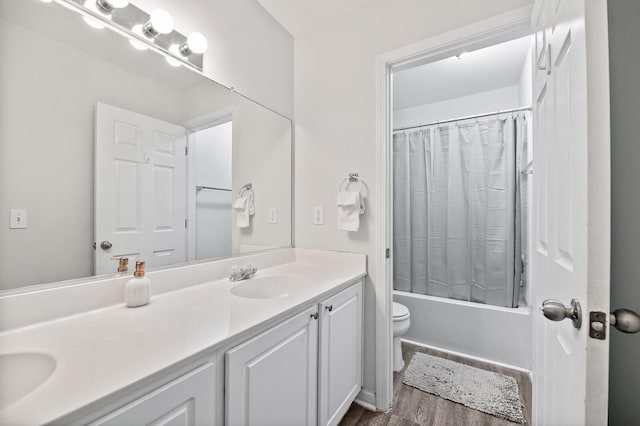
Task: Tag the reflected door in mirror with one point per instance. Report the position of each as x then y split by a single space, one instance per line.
140 187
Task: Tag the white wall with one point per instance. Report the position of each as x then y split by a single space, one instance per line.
248 49
526 80
478 103
335 116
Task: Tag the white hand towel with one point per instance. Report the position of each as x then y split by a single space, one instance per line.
350 207
244 209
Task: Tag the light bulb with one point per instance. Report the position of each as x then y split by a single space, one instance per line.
136 43
46 1
93 22
197 43
160 22
173 62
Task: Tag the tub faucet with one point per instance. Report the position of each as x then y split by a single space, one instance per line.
237 273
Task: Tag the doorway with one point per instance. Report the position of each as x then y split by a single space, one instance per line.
571 196
210 184
460 178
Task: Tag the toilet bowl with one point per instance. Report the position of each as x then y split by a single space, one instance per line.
400 327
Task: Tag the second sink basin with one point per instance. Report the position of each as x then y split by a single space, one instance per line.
21 374
268 287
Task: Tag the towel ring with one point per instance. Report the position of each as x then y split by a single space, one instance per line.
246 187
353 177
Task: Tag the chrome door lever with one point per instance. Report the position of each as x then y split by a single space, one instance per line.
556 311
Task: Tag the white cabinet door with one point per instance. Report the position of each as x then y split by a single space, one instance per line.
272 378
189 400
340 369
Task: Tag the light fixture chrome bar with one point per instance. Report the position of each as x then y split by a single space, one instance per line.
124 19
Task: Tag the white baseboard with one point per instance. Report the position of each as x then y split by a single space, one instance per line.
475 358
366 399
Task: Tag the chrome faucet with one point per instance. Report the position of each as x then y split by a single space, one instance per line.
237 273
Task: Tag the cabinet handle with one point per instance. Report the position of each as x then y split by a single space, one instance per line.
314 316
329 308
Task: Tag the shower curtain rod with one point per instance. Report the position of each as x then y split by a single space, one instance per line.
506 111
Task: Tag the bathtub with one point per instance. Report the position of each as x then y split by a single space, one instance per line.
490 333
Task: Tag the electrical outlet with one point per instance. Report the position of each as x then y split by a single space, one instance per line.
318 215
273 215
17 219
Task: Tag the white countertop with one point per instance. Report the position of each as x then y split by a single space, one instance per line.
102 351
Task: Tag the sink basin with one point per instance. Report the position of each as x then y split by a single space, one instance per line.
268 287
21 374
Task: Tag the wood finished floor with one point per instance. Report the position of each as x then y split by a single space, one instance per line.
414 407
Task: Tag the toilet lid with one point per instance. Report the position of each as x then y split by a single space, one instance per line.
399 310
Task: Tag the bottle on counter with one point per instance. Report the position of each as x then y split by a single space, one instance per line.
137 290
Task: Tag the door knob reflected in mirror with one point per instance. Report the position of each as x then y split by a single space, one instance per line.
556 311
106 245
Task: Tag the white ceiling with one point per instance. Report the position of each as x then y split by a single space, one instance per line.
300 16
485 69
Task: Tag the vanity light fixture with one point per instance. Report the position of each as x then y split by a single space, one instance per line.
160 22
196 43
145 30
137 29
107 6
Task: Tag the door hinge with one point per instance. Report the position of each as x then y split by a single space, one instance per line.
186 223
387 253
186 150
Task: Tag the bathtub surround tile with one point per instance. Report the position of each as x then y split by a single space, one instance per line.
486 391
415 407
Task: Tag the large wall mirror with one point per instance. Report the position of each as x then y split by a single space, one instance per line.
109 151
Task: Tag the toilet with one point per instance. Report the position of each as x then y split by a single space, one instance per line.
400 327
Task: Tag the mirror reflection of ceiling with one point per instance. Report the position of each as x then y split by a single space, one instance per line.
481 70
60 24
55 70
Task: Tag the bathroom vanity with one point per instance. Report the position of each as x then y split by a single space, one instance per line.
283 347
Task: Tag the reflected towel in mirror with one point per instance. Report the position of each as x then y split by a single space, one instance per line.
244 208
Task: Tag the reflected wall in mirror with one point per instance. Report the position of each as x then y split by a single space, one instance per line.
93 136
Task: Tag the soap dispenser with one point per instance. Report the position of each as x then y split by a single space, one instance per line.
136 290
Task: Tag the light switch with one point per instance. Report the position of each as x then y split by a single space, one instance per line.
273 215
318 215
17 219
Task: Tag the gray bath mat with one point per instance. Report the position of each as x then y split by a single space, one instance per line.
485 391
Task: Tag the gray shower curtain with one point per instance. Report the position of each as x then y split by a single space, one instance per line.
456 210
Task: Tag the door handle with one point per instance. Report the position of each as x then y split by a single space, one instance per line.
106 245
556 311
625 320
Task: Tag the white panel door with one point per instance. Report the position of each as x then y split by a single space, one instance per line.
187 401
340 365
570 212
272 378
140 189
